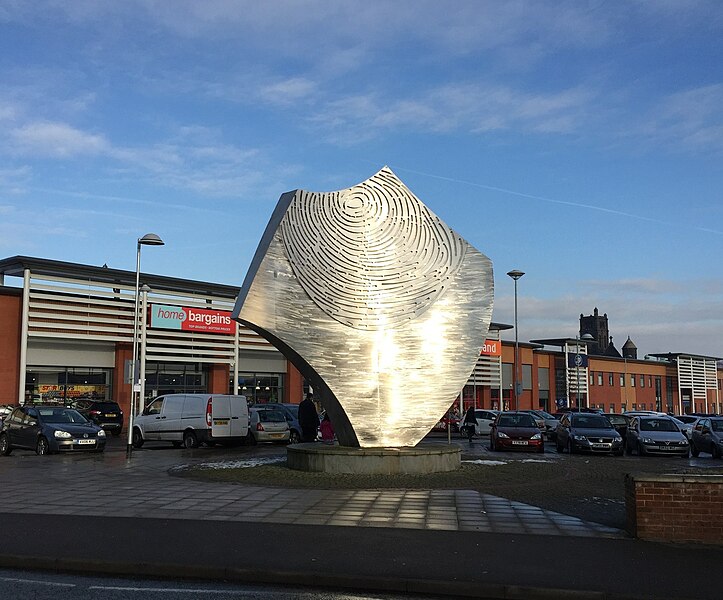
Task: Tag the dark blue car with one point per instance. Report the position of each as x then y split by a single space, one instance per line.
49 429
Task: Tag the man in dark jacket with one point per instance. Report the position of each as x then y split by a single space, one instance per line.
308 419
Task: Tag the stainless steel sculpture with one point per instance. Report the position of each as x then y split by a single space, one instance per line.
378 303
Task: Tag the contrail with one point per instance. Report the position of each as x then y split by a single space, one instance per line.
554 201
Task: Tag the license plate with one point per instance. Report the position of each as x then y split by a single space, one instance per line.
519 442
277 435
601 445
220 421
85 441
669 448
111 415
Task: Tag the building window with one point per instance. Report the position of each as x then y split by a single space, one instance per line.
622 380
611 380
632 380
53 385
262 388
599 378
642 381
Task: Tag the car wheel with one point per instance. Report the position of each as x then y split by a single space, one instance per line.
694 451
190 441
294 437
5 448
137 439
42 447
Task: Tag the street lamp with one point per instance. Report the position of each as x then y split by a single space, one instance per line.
150 239
515 274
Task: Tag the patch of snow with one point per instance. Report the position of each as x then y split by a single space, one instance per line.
490 463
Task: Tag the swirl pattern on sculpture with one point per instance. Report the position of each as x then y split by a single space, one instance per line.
371 256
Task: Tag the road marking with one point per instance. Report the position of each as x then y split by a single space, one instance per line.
37 582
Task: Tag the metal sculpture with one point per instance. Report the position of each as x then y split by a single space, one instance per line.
378 303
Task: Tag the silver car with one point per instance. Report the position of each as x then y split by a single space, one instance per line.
267 423
546 422
655 434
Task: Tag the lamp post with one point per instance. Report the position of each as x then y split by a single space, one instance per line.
515 274
150 239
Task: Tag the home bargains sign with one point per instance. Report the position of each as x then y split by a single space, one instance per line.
184 318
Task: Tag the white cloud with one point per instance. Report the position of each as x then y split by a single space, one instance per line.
54 139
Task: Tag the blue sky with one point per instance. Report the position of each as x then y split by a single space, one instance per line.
581 142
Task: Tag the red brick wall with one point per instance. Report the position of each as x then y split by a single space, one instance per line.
218 379
675 508
294 388
11 302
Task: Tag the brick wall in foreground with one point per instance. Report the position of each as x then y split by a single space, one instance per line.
675 508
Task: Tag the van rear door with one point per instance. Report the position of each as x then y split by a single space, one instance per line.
220 416
230 416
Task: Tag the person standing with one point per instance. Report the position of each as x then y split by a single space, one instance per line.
470 422
327 430
308 419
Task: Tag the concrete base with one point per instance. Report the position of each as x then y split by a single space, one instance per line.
373 461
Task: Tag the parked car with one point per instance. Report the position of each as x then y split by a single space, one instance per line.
192 419
546 422
587 432
291 412
655 434
685 428
516 431
107 415
707 437
687 418
267 424
619 422
447 420
484 418
49 429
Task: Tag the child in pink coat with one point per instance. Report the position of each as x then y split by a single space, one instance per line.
327 431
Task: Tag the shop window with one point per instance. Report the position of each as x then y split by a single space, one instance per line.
51 385
262 388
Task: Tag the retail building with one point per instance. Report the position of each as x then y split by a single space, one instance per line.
66 331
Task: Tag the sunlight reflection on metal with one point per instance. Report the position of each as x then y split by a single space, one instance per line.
379 304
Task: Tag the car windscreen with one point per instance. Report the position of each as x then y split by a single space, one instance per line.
657 425
590 422
717 425
617 420
516 421
61 415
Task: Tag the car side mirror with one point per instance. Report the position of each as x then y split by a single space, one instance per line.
33 423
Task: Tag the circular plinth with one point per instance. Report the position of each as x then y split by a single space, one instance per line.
373 461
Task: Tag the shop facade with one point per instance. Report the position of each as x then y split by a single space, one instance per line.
67 334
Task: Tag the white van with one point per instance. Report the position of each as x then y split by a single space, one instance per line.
192 419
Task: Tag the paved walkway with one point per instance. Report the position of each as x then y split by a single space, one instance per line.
109 485
104 514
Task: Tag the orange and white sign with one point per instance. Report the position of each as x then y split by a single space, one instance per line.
492 348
